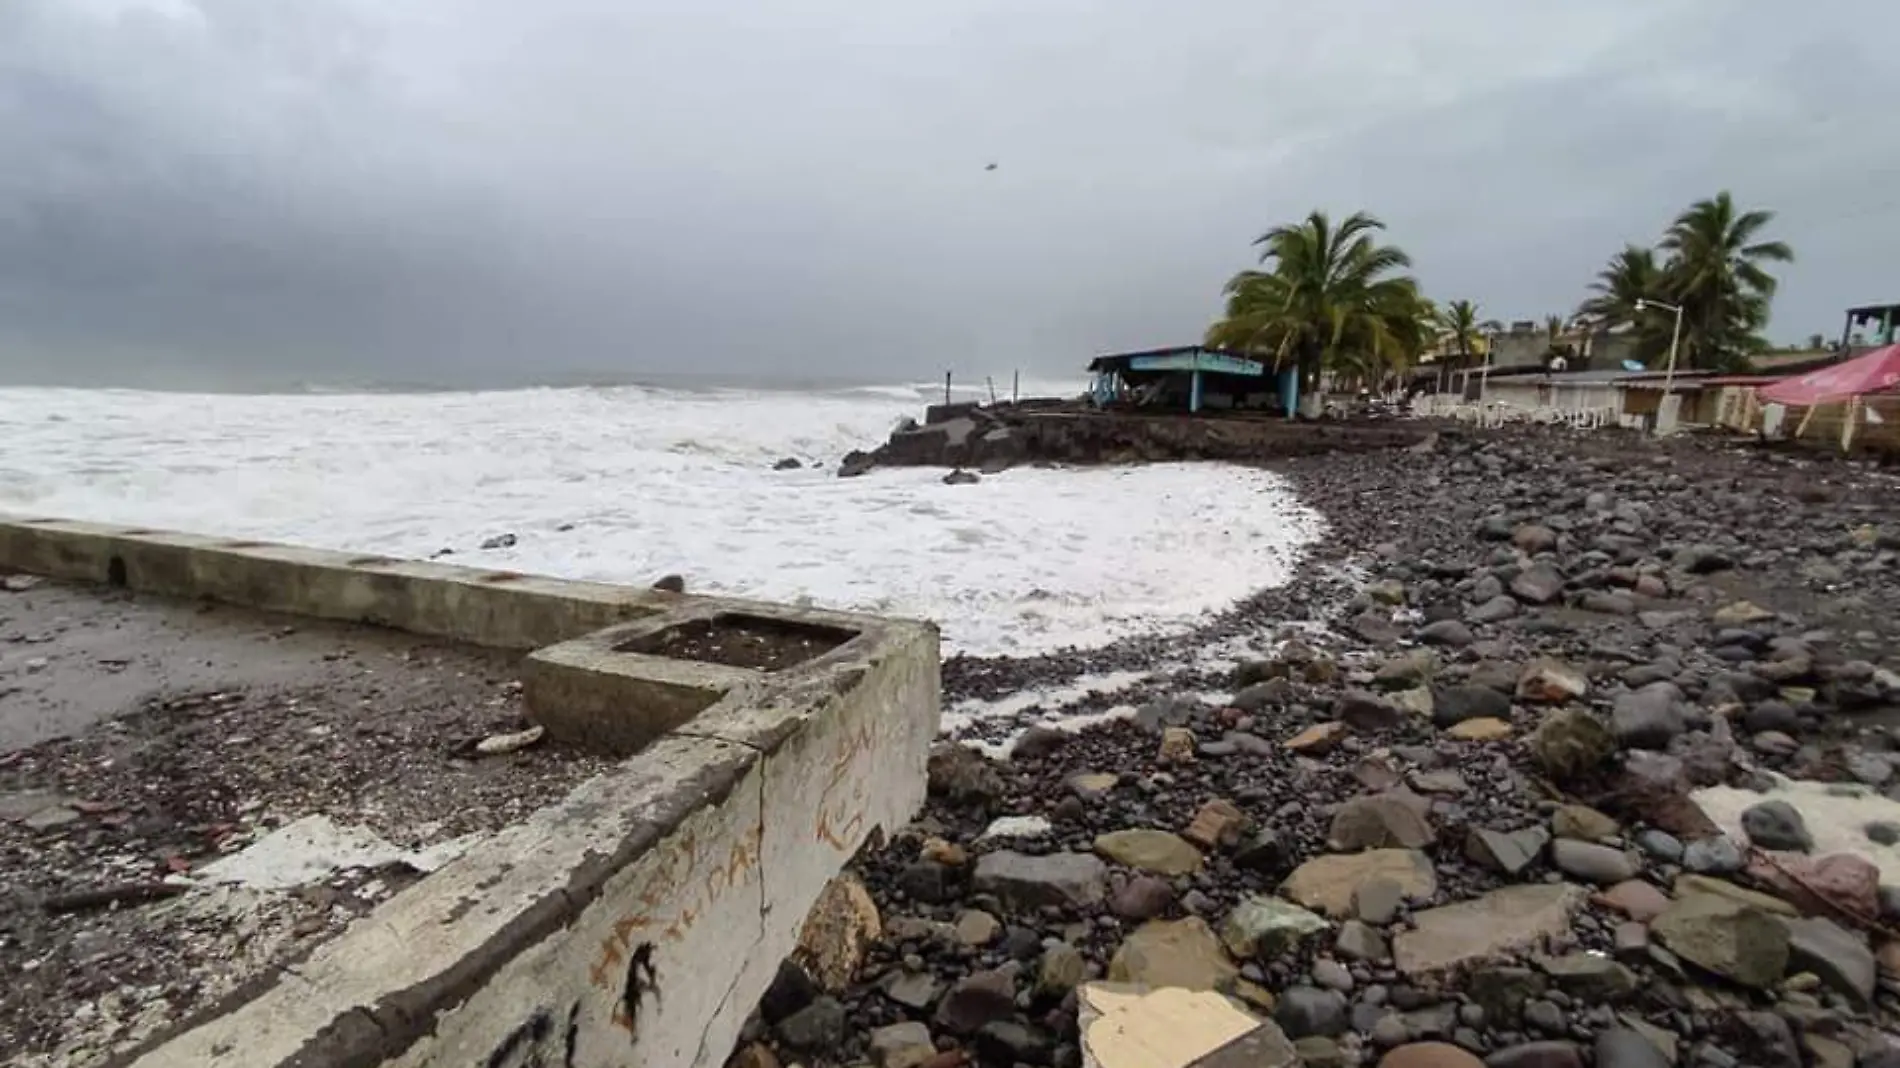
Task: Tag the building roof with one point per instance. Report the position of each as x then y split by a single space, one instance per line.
1123 361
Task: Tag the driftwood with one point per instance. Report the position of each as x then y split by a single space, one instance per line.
106 896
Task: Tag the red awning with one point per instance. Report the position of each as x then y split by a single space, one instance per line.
1878 370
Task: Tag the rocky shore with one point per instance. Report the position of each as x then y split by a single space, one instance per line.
1566 750
989 440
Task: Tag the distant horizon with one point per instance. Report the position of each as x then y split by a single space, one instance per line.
472 380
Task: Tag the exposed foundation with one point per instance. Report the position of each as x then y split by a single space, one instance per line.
750 749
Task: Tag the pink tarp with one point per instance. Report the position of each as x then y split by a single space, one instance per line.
1877 371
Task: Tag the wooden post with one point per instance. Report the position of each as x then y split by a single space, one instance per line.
991 383
1806 418
1015 387
946 387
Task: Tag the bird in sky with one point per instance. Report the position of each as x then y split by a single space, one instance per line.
991 167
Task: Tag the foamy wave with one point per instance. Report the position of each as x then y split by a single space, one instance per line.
627 483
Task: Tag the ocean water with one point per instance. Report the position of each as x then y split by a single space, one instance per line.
626 484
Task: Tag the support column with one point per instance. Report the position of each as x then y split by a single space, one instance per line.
1194 392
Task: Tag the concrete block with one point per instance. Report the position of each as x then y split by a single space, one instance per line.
637 920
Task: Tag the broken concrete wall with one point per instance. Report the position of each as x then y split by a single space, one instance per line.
638 920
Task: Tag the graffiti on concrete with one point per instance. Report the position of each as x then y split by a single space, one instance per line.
690 875
530 1044
845 801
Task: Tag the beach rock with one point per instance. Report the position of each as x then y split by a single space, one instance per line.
1011 1042
1507 920
1607 602
1261 928
1181 953
1636 899
839 930
1534 538
1448 633
904 1045
1571 742
1660 845
1593 863
1482 729
1718 855
1177 746
1733 940
855 463
1360 941
1649 718
1623 1047
1741 614
1429 1055
1835 881
1776 825
1703 559
1840 957
1377 901
1452 705
1406 670
1062 880
1147 850
974 927
1582 823
1264 851
1328 883
1039 742
1302 1011
960 477
1378 822
1495 609
1365 711
1387 591
816 1028
1062 969
1538 584
1142 898
1264 695
914 990
1590 977
1767 1038
1689 885
1548 1054
963 775
1551 682
1318 739
977 1000
1417 703
1129 1027
1219 824
1508 853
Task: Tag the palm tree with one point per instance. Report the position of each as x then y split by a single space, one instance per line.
1330 297
1716 273
1460 327
1631 277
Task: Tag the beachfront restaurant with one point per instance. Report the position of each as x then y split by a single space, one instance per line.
1191 378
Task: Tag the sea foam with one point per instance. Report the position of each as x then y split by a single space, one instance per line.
626 484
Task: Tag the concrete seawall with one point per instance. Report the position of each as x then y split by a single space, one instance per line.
638 919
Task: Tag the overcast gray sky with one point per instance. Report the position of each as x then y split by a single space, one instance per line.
428 190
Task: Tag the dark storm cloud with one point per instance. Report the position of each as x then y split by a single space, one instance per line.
431 189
